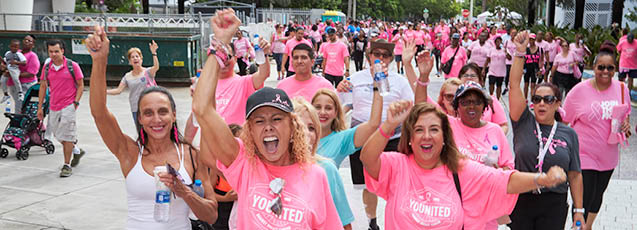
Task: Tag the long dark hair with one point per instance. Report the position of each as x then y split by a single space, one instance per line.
175 136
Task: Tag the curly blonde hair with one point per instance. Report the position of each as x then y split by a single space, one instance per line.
338 124
299 148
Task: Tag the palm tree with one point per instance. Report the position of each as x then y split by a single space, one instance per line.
618 8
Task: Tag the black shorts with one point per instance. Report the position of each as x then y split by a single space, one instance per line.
398 57
357 166
333 79
530 76
493 80
631 73
540 211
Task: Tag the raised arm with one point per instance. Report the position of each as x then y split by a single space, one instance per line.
264 69
517 103
425 64
98 46
366 129
214 130
153 50
370 155
409 51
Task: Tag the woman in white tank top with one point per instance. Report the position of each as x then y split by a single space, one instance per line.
159 142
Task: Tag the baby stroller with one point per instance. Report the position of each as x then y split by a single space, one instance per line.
26 130
318 63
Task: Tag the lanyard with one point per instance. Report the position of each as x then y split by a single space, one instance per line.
543 148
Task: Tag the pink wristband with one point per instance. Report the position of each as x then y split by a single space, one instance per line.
422 83
383 133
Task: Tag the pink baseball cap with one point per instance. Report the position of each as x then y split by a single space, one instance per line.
532 35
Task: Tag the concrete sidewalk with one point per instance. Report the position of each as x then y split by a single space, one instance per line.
33 196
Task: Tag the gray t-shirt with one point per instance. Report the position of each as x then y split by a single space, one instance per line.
564 151
136 84
10 56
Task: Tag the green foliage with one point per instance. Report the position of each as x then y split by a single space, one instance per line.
632 16
81 7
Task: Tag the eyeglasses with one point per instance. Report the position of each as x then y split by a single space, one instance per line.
470 76
606 67
548 99
448 96
466 103
381 54
276 186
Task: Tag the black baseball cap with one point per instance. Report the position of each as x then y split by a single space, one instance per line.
267 96
331 30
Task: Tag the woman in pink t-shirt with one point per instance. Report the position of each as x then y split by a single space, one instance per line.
493 112
562 71
271 166
278 48
580 50
497 67
477 53
399 40
628 59
429 184
598 110
546 208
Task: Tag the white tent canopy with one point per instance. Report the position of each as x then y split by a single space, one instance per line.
501 14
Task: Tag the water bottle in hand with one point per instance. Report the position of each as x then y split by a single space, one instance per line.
492 157
578 225
198 188
162 197
381 78
260 55
7 109
346 97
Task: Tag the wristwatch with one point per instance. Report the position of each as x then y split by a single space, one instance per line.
76 103
579 210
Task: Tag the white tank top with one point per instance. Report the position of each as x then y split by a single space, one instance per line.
140 192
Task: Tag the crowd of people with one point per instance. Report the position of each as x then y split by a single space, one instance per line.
268 158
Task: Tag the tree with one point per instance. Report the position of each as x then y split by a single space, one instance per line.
579 13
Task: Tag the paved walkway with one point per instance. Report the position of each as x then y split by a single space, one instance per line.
32 196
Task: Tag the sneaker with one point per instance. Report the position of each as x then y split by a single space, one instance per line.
66 171
77 157
5 99
505 91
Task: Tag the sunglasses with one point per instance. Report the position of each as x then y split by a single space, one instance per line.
381 54
276 186
548 99
466 103
470 76
606 67
448 96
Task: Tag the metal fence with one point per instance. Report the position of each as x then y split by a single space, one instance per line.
283 16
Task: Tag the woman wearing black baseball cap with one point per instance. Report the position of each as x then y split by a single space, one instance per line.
271 166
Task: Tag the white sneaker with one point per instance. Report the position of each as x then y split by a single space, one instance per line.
21 96
5 99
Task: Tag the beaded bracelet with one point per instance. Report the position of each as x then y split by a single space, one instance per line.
220 51
384 134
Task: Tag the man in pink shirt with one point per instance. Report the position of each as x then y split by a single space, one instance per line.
627 49
289 46
27 72
478 51
303 82
65 88
460 58
335 54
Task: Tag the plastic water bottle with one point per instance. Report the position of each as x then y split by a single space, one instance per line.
7 108
492 156
162 197
346 97
578 225
198 188
381 78
260 55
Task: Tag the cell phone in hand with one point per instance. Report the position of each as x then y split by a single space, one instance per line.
173 172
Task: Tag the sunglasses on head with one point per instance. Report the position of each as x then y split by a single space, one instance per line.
548 99
606 67
381 54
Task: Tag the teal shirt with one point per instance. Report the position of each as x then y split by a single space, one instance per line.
338 191
338 145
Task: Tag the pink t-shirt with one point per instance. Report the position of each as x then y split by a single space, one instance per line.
510 48
628 55
553 49
458 62
497 66
306 89
579 52
307 201
278 46
564 64
231 97
428 43
316 36
589 113
334 54
479 53
499 117
410 35
32 66
420 37
62 86
420 198
289 46
475 143
243 46
398 48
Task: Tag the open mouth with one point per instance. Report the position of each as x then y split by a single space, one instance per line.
472 114
426 148
323 119
157 128
271 144
541 111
